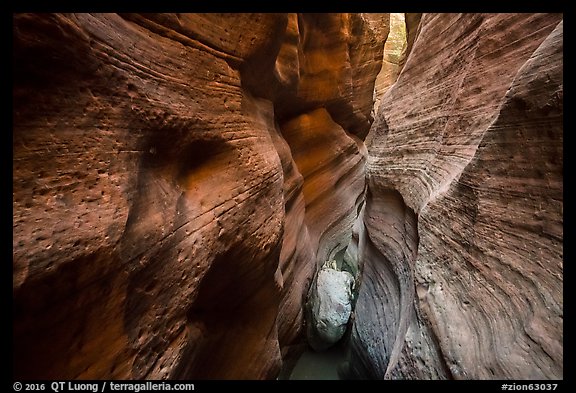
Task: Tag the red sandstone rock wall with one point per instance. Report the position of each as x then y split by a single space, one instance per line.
462 246
176 180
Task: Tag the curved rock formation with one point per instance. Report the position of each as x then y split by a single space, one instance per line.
469 140
121 228
176 178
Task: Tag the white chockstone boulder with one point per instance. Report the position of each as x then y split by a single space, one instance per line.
331 306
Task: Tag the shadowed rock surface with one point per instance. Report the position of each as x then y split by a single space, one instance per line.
179 179
462 246
176 178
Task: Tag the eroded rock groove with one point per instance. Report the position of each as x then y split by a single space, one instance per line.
180 179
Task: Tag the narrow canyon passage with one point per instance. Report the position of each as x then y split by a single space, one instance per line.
330 364
287 196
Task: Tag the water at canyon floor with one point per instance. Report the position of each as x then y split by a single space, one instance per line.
319 365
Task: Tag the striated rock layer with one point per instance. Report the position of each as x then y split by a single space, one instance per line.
462 237
177 178
403 32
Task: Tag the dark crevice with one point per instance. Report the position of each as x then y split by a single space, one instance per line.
383 311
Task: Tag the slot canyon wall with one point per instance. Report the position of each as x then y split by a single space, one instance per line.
178 179
462 236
